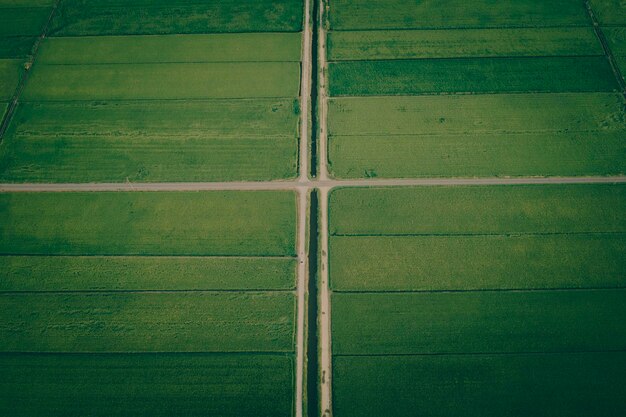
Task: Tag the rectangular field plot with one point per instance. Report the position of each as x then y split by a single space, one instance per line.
410 44
471 75
150 223
147 322
400 14
23 21
10 73
137 273
425 263
541 385
479 210
118 17
155 385
478 135
225 47
16 47
216 140
184 81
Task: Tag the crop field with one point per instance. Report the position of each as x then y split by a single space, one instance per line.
125 384
485 135
168 64
142 279
146 17
616 38
10 72
456 291
397 72
76 141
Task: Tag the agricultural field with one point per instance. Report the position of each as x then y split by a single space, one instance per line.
458 78
471 292
211 93
179 296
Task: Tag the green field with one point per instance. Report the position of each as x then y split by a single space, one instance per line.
425 263
479 210
185 81
22 21
147 322
10 73
224 47
16 47
478 135
521 385
149 223
409 44
471 75
135 273
616 38
117 17
398 14
155 385
479 322
609 12
215 140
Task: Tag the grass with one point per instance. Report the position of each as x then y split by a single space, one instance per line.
479 210
171 48
609 12
156 385
10 74
479 322
23 21
541 385
130 273
16 47
616 38
478 135
184 81
471 75
425 263
410 44
147 322
117 17
148 223
398 14
151 141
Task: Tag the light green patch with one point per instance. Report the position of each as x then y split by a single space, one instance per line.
163 81
148 223
102 273
171 48
479 210
424 263
409 44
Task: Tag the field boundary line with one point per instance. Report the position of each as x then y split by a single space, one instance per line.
462 58
469 27
29 65
607 49
507 234
478 290
554 352
122 291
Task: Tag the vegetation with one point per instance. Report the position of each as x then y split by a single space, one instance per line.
393 14
166 273
246 47
409 44
151 141
155 385
147 322
479 322
149 223
424 263
10 73
515 385
471 75
185 81
117 17
479 210
609 12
